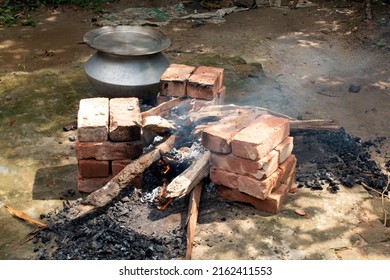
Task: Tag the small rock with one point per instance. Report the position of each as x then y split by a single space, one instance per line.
300 212
292 190
70 126
252 75
354 89
71 192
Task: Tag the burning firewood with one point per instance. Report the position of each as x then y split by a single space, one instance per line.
184 183
157 124
160 201
103 196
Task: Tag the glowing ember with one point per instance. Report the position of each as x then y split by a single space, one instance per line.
166 169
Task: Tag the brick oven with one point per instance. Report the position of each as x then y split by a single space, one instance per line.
250 157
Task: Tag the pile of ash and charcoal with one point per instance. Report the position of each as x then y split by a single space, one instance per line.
330 160
133 226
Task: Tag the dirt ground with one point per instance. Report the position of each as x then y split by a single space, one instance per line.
298 62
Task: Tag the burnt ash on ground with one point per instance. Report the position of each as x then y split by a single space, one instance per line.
124 229
335 159
131 227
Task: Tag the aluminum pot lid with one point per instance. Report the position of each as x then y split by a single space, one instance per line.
127 40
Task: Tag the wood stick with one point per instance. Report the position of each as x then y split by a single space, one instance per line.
220 111
192 218
106 194
212 114
157 124
165 107
188 179
294 125
314 124
24 216
374 190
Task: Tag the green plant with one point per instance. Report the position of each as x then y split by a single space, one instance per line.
7 17
22 66
28 21
381 43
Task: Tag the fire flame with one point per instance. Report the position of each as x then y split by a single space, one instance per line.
166 168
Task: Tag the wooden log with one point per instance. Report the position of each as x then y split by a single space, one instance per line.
24 216
211 115
192 218
189 178
164 108
104 195
216 112
157 124
294 125
314 124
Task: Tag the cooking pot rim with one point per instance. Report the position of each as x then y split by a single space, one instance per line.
100 40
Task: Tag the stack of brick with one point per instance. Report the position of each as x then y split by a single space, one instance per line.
204 84
108 138
252 160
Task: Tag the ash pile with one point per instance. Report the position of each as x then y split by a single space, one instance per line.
133 226
330 160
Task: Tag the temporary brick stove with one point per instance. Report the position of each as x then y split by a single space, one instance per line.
108 138
252 163
250 160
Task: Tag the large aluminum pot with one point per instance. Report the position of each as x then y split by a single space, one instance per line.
128 61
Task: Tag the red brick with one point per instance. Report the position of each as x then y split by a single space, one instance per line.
173 81
257 169
260 189
125 119
108 150
257 188
162 99
260 137
285 149
217 138
271 204
90 168
205 82
288 167
118 165
88 185
218 99
92 120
